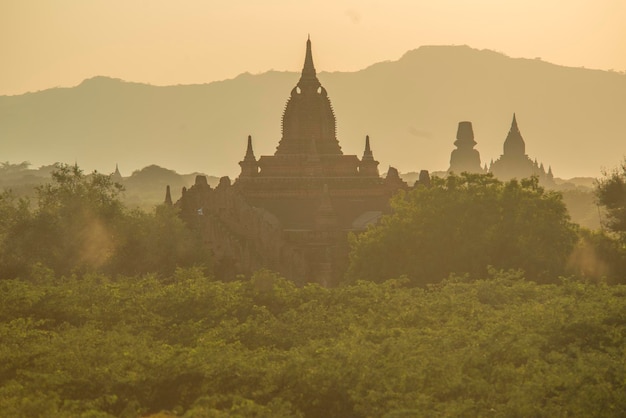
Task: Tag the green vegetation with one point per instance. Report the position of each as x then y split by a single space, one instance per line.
611 193
93 346
106 311
78 224
463 224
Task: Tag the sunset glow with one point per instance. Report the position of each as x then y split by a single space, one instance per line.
61 43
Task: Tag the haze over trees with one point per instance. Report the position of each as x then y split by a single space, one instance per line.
143 188
78 224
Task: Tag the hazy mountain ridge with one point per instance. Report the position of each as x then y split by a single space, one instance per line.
571 118
143 188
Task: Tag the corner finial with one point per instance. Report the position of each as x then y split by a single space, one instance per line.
249 152
367 154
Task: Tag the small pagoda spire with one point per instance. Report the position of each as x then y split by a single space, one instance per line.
367 154
168 196
249 165
117 176
368 166
249 152
514 131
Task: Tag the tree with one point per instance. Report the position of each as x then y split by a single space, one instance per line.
78 224
611 193
463 224
74 224
70 228
158 242
603 253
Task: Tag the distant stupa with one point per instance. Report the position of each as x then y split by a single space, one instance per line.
465 158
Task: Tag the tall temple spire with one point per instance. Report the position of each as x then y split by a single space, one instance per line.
514 143
308 80
308 71
308 114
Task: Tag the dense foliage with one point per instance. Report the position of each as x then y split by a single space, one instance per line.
78 224
86 331
611 193
603 252
463 224
504 347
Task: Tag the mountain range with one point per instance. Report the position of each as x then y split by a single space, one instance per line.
572 119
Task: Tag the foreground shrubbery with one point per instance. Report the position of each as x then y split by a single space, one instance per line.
86 331
504 347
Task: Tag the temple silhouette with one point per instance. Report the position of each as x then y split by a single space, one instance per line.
513 163
292 211
465 158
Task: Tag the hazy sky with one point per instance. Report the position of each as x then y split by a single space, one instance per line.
46 43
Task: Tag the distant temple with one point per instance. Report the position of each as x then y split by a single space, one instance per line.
465 158
514 163
292 211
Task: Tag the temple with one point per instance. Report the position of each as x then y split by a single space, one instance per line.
465 158
514 163
292 211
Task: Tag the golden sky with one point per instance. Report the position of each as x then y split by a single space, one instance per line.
48 43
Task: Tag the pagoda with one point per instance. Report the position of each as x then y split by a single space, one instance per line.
292 211
515 163
465 158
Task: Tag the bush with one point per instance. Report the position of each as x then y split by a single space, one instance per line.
463 224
